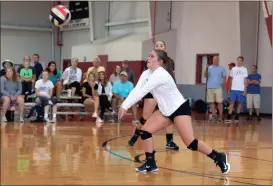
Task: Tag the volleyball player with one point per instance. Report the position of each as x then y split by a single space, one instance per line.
150 103
172 107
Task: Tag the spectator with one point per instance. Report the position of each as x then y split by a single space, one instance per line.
216 77
238 89
10 91
37 65
6 65
253 93
115 76
44 91
105 95
96 68
121 90
228 83
90 95
27 77
130 72
72 77
55 78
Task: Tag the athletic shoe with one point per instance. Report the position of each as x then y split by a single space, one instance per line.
147 168
221 161
133 140
228 119
236 118
172 146
4 119
47 120
258 118
249 118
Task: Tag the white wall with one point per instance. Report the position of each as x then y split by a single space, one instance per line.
162 16
16 44
205 27
125 11
128 47
26 13
71 38
265 54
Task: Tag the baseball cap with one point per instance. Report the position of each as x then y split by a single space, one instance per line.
7 61
124 73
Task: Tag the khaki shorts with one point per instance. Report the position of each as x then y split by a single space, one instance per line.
253 100
215 95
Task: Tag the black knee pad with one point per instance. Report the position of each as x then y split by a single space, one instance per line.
194 145
142 121
145 135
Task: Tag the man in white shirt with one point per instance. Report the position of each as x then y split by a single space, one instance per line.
238 91
44 91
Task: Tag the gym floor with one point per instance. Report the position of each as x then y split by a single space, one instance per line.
85 154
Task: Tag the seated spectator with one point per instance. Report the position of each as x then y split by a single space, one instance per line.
11 89
37 65
55 78
121 90
90 96
130 72
95 69
105 95
44 91
72 77
115 76
6 65
27 77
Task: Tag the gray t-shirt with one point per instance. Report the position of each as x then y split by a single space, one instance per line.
113 78
10 88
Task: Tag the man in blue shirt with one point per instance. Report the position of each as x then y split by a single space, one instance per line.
253 93
216 77
121 90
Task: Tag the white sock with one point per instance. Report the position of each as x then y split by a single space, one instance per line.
54 115
46 115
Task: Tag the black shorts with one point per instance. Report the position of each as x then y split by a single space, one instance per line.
184 109
148 96
44 101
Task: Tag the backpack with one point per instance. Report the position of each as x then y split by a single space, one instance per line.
38 112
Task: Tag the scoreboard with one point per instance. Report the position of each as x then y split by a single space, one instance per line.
79 15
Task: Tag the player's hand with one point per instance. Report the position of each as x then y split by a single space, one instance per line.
244 93
121 113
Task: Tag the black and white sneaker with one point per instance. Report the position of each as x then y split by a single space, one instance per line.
147 168
221 161
236 119
228 119
172 146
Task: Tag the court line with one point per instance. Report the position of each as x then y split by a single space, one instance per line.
104 145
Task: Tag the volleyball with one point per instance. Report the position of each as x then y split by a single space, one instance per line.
59 15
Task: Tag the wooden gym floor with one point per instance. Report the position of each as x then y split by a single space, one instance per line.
81 153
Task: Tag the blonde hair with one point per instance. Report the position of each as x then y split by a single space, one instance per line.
75 59
97 59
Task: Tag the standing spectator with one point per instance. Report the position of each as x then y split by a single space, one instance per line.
44 91
37 65
72 77
216 77
7 64
238 89
105 95
253 93
115 76
130 72
96 68
90 95
27 76
228 83
10 91
55 78
121 90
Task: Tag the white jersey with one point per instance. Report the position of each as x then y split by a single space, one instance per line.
163 88
238 74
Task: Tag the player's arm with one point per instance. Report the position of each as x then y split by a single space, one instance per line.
157 78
